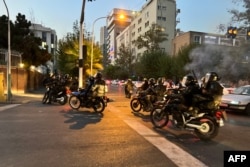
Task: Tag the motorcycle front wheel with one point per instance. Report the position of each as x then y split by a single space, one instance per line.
63 100
74 102
135 105
45 97
209 128
159 118
99 106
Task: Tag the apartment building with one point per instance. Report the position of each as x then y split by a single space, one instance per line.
183 39
49 41
160 12
48 36
115 25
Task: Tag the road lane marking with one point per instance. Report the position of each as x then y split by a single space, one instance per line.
177 155
2 108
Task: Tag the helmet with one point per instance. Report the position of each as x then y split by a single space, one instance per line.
151 81
66 76
145 79
91 79
188 80
211 76
160 81
98 75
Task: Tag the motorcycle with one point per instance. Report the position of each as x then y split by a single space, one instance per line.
139 102
58 93
205 123
84 98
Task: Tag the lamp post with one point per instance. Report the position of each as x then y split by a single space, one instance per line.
8 58
92 44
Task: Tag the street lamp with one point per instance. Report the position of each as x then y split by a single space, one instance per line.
92 44
9 58
121 17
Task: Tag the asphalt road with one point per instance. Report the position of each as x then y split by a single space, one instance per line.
33 134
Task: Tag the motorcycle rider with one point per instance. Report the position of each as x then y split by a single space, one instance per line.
99 88
150 94
212 89
160 89
145 84
188 93
54 84
129 86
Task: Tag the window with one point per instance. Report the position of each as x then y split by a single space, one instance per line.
147 24
139 21
52 39
164 8
161 18
139 29
197 39
44 36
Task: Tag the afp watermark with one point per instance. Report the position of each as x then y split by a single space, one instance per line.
236 158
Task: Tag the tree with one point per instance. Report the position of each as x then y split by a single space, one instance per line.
23 41
68 53
241 17
154 64
125 59
152 38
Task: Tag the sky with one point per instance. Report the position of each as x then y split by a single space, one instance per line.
196 15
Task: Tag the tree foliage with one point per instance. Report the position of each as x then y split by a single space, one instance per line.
152 38
242 16
68 53
125 59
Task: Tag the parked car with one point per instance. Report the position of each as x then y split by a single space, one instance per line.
122 82
115 82
227 89
238 100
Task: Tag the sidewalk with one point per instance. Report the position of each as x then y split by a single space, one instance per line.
19 98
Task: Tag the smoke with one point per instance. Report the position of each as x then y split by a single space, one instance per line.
225 61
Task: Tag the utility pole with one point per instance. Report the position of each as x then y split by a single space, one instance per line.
8 59
80 45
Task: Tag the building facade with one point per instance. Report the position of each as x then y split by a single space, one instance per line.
48 36
115 26
184 39
160 12
49 41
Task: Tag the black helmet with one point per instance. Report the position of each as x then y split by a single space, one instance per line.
188 80
211 76
91 79
151 81
98 75
160 81
66 76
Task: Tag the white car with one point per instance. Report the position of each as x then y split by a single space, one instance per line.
115 82
227 89
238 100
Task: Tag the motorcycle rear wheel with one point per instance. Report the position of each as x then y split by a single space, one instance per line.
74 102
45 97
209 130
159 119
135 105
99 106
